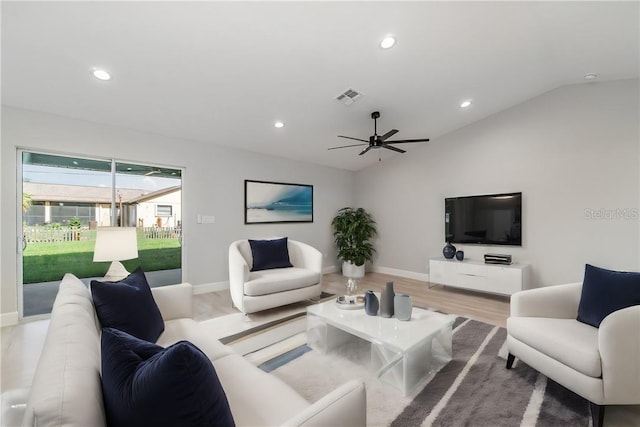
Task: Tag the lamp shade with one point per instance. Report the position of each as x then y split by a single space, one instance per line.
115 244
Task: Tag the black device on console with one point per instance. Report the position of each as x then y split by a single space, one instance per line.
497 259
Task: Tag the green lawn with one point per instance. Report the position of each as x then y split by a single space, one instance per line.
45 262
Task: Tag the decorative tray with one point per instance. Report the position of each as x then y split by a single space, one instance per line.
346 302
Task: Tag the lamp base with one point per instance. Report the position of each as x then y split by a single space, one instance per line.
116 272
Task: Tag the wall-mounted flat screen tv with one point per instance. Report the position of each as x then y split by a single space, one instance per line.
493 219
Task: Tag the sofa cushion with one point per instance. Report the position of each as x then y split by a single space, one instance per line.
268 254
279 280
66 385
145 384
255 397
198 333
605 291
572 343
128 305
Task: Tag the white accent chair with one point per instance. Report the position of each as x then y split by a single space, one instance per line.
253 291
600 364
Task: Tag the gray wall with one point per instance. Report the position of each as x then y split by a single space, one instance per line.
569 150
213 184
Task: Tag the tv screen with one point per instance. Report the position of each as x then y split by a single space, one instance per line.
494 219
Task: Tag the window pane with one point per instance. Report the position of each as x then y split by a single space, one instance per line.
60 197
164 210
150 198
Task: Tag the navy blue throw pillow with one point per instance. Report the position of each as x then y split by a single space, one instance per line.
128 305
144 384
605 291
268 254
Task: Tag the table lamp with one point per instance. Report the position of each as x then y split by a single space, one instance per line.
115 244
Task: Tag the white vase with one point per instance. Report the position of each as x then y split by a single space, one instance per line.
353 271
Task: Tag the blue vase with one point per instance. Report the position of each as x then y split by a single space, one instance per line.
449 251
371 303
460 255
402 307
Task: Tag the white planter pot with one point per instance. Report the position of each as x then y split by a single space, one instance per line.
351 270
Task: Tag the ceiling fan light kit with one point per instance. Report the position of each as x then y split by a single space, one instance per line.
379 141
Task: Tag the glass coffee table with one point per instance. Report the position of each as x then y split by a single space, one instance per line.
403 353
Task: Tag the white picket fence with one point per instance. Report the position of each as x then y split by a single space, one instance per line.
160 232
65 234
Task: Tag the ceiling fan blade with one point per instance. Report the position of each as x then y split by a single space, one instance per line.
405 141
355 139
365 150
388 147
388 134
346 146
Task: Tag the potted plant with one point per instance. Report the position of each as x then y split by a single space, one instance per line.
353 229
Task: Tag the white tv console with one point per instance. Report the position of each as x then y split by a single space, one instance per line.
478 276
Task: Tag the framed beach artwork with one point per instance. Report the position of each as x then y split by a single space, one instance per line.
269 202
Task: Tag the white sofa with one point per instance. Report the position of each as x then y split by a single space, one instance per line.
600 364
253 291
66 388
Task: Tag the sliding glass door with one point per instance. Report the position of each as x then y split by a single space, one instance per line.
65 199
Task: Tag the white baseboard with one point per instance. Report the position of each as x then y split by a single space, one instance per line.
424 277
330 269
210 287
9 319
221 286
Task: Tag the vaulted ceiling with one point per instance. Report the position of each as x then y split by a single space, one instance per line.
224 72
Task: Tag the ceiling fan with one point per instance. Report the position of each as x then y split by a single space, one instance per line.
379 141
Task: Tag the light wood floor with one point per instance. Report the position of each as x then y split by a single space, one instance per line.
492 309
488 308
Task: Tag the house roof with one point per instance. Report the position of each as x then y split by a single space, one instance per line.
223 72
77 193
155 194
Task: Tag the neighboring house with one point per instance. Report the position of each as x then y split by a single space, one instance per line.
59 203
161 208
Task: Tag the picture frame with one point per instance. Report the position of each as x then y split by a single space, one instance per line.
268 202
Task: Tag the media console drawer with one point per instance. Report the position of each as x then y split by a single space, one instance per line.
474 275
470 269
469 281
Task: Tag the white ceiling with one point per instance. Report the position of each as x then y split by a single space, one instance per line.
223 72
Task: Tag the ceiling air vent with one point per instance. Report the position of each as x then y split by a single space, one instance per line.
349 96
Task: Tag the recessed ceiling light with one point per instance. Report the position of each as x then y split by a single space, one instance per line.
591 76
388 42
465 104
101 74
278 125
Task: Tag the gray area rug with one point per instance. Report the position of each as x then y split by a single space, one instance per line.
474 389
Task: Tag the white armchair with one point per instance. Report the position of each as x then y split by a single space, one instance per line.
600 364
253 291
